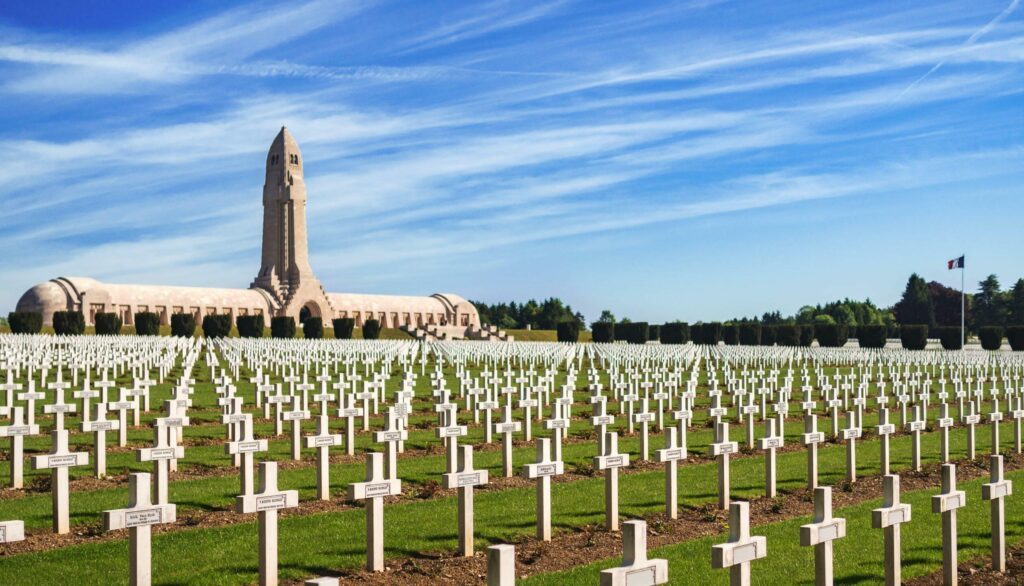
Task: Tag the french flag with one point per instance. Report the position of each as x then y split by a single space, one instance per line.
956 263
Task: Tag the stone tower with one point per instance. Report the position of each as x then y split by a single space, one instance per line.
285 272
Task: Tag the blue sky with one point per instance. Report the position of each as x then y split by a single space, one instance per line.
673 160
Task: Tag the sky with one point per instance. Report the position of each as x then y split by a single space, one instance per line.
690 160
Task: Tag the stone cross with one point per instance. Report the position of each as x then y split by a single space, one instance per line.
971 419
322 442
464 479
994 418
245 446
542 470
851 434
138 519
889 517
30 397
821 533
996 491
99 428
122 407
58 461
610 462
506 428
915 427
946 503
721 450
392 436
683 416
811 438
86 395
296 416
267 502
944 422
501 565
1018 417
670 456
160 455
601 420
373 491
644 418
558 426
278 400
769 443
742 547
17 431
884 430
349 411
636 569
58 408
11 531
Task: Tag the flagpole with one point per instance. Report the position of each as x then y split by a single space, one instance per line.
963 335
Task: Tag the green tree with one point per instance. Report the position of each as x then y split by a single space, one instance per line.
1016 304
915 307
990 305
824 318
606 316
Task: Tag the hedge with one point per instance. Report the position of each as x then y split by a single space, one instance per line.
991 337
25 322
913 336
830 335
769 335
107 324
282 326
636 332
249 326
872 336
675 333
313 328
712 333
343 327
183 325
787 335
217 325
568 331
750 334
68 323
603 331
806 335
147 323
654 333
1015 336
731 334
371 329
949 336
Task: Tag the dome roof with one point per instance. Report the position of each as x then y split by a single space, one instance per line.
46 298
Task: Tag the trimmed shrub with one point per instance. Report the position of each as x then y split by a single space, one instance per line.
1015 336
217 325
871 336
568 331
654 333
371 329
713 333
183 325
147 323
675 333
830 335
603 331
750 334
282 327
313 328
25 322
949 336
108 324
636 332
806 335
249 326
769 334
68 323
991 337
343 327
787 335
731 334
914 336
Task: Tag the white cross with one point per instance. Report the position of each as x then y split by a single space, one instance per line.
946 503
139 518
996 491
542 470
267 502
821 533
889 517
610 461
742 547
99 427
322 441
464 479
636 569
58 461
245 446
373 490
17 431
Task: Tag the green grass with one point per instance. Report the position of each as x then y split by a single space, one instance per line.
858 557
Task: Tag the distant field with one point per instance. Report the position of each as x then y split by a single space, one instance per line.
543 335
